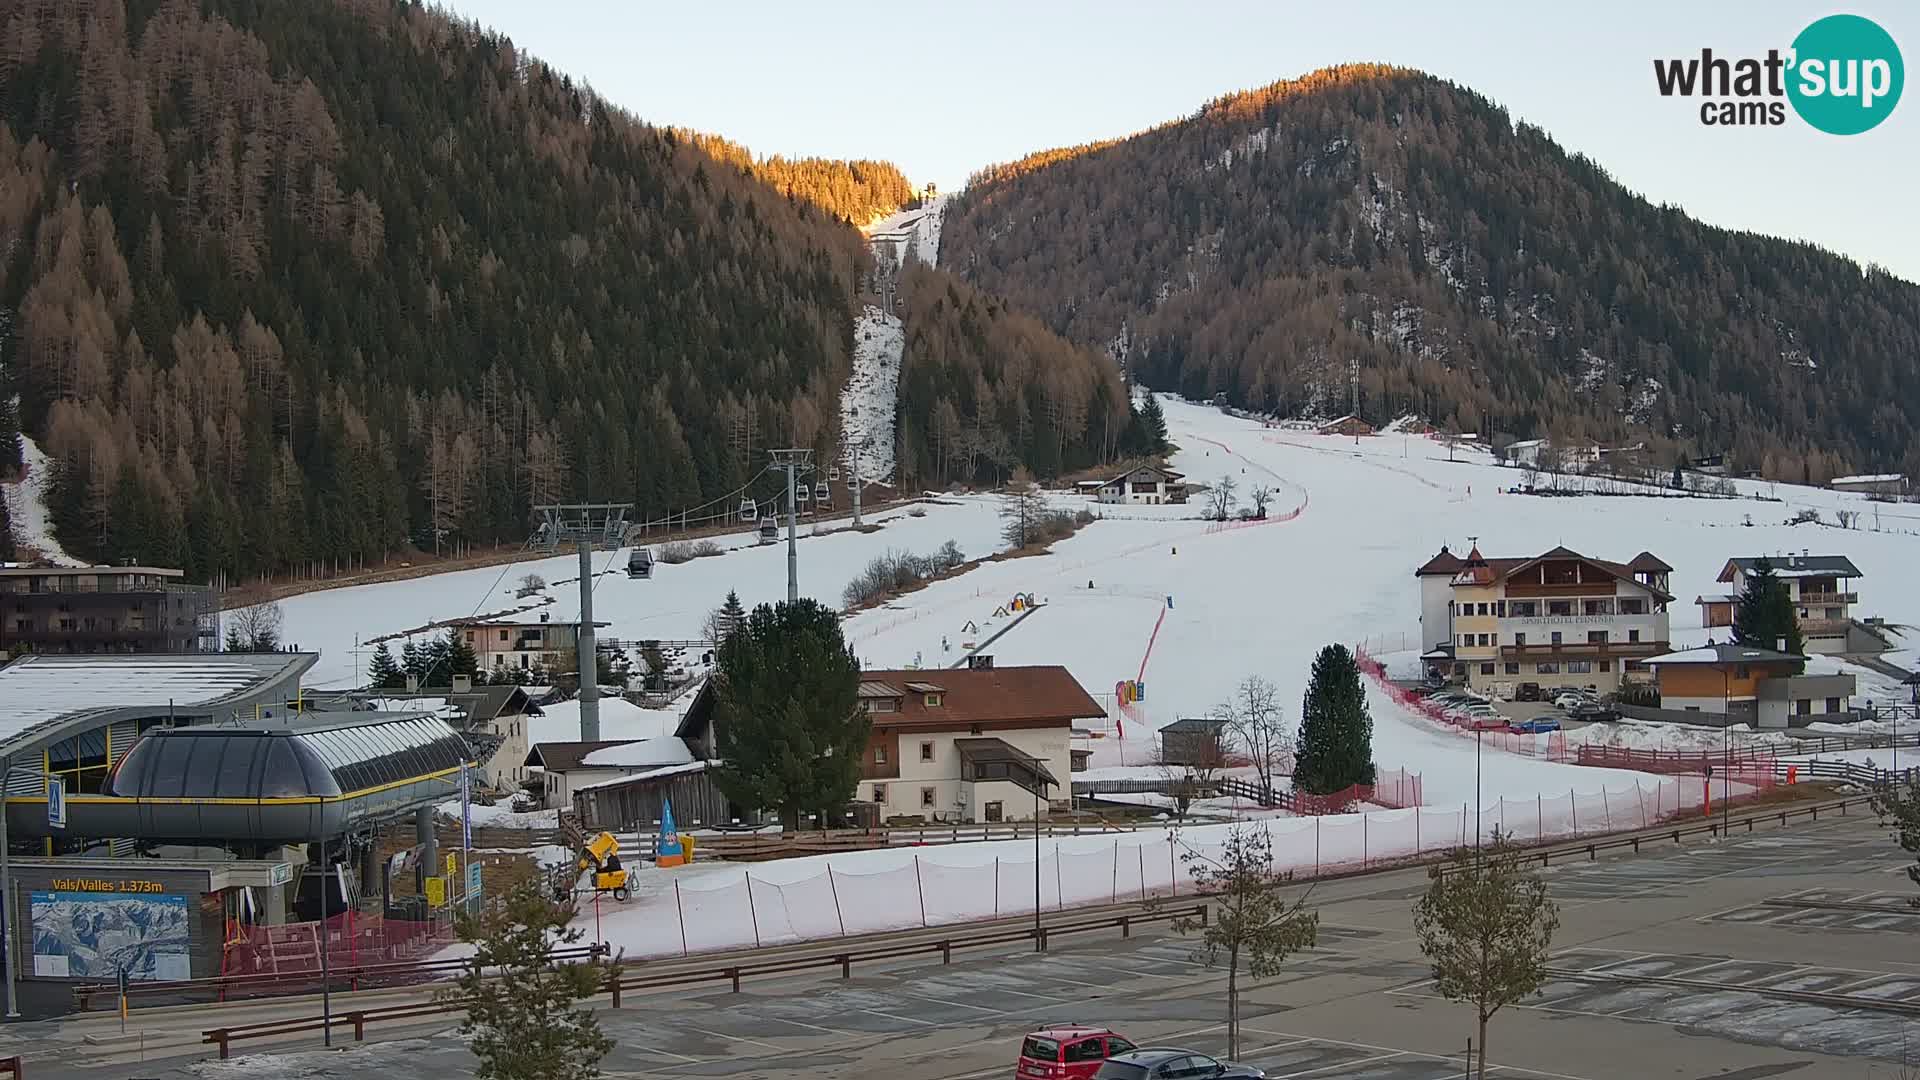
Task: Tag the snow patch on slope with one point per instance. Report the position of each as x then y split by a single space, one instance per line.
27 506
868 405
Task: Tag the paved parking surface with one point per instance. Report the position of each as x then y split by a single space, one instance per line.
1356 1007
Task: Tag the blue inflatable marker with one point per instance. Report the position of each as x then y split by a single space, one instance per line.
669 846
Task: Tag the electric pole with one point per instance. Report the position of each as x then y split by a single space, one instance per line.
854 471
589 673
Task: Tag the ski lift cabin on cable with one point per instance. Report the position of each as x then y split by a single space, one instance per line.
801 493
748 511
640 563
821 492
769 529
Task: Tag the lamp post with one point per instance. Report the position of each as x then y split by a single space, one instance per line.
1726 752
1038 787
1478 738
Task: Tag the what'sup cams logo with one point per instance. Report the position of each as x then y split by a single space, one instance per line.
1842 75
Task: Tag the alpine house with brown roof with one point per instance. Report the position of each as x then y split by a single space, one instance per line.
970 745
1557 619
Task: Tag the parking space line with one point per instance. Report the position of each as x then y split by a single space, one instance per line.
1341 1065
954 1004
737 1038
902 1019
1389 1051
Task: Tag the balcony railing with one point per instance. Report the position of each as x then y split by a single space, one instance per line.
1828 598
1585 648
13 585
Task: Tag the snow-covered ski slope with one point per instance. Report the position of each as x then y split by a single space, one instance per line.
1255 599
916 231
27 507
870 401
670 606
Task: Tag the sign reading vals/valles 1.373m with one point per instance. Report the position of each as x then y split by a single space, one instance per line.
105 885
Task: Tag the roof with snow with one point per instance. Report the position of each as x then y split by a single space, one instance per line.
566 756
1872 478
41 693
663 773
1715 655
1793 566
646 753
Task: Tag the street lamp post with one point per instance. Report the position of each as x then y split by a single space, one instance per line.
1478 738
1726 752
1038 788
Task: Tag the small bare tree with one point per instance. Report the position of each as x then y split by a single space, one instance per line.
1221 498
1250 920
1259 726
1847 517
1261 495
1486 926
254 629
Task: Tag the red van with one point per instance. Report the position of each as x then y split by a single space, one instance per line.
1067 1052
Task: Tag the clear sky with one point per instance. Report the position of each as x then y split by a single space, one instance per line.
942 89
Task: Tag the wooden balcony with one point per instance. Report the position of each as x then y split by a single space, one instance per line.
1577 650
1570 588
1815 598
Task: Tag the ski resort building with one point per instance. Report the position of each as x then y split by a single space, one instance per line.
1146 484
1739 684
1557 619
526 641
1887 485
493 720
1821 588
1348 425
105 609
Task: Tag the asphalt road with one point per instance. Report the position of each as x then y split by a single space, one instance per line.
1812 907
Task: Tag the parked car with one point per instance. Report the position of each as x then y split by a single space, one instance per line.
1591 711
1567 698
1067 1052
1496 722
1169 1063
1527 691
1535 726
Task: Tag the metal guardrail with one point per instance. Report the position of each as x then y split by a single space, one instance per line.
356 977
733 974
1674 833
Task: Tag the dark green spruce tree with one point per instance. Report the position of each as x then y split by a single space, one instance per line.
1336 731
413 661
383 673
1763 617
1153 427
787 716
461 659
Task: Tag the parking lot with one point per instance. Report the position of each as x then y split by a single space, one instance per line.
1675 951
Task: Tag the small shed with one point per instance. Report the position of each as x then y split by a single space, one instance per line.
1198 740
1349 425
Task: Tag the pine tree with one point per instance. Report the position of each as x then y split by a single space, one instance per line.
1336 731
1763 617
382 672
1153 427
461 659
727 619
787 718
521 1015
413 662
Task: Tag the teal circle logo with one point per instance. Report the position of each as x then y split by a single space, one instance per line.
1846 74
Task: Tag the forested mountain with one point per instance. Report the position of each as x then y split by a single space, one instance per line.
855 191
984 389
298 285
1478 273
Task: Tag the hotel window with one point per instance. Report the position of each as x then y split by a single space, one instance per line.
1500 608
503 635
1633 605
1633 635
1833 704
926 751
1559 607
933 701
879 793
1606 665
1556 637
1513 669
1519 639
1486 669
1547 668
879 755
1466 641
1596 637
1579 667
928 796
1485 640
1525 609
1803 707
1483 610
993 812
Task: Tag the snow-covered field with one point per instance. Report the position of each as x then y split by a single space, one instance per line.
1189 608
670 606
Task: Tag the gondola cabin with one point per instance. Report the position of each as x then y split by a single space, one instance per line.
769 529
822 493
748 511
802 494
640 563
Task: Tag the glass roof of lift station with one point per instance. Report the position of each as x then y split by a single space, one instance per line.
305 759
